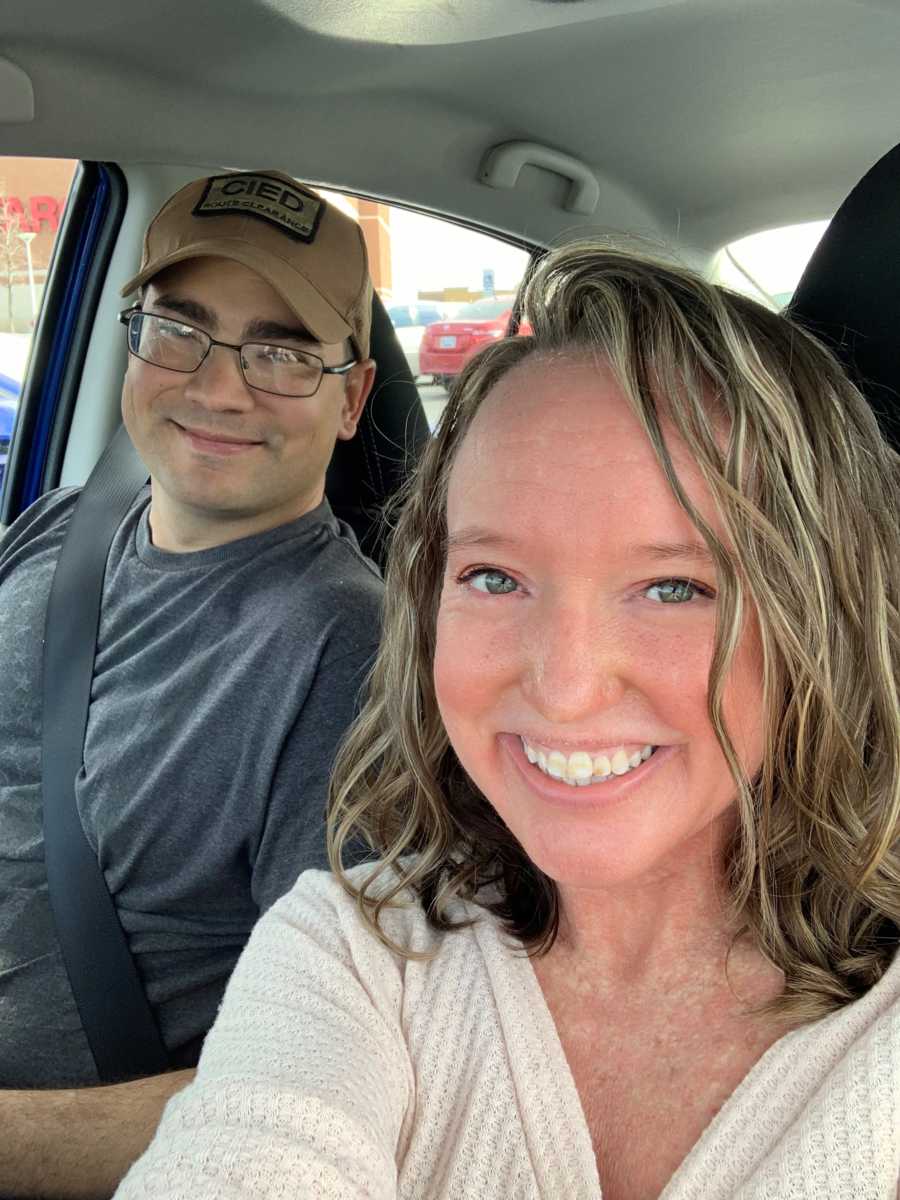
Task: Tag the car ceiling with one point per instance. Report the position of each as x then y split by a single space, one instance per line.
703 120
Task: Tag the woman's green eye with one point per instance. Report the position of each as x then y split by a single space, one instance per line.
495 583
673 591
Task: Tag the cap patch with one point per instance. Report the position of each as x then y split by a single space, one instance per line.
285 205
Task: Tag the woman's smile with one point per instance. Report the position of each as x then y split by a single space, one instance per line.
599 791
582 767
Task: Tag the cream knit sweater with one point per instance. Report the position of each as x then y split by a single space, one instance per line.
337 1070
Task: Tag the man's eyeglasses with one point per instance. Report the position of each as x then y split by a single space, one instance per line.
281 370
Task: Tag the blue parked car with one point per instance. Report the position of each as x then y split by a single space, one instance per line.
9 402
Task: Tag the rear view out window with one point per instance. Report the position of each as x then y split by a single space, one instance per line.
33 193
428 270
767 266
484 310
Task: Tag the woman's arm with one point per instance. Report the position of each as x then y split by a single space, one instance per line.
304 1083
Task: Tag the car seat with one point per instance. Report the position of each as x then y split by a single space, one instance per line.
366 471
849 294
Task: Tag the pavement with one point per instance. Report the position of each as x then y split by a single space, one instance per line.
434 399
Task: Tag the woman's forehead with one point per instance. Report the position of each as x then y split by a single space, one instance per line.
562 435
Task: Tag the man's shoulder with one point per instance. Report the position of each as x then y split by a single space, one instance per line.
329 572
342 567
43 523
341 540
53 506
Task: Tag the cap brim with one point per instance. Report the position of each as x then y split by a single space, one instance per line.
317 315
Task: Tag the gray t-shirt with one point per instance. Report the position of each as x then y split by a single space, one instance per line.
222 683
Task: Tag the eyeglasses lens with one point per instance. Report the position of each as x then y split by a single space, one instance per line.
167 343
278 369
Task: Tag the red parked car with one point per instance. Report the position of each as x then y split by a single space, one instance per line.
448 345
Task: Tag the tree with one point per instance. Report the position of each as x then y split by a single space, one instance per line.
12 249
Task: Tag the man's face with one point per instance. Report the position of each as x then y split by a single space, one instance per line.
224 457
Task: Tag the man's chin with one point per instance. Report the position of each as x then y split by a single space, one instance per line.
210 499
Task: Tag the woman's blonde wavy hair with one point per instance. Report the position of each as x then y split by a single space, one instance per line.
809 495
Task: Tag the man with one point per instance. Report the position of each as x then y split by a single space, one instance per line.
237 621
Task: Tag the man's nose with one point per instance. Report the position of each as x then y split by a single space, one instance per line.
218 383
576 664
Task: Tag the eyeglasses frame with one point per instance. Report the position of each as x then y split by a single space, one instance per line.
125 319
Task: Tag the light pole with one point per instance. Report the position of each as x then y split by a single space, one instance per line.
28 238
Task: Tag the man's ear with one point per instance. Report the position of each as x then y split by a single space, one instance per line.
358 385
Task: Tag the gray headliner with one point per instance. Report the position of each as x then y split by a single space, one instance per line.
703 120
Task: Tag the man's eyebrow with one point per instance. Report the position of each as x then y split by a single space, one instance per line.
255 330
191 310
275 329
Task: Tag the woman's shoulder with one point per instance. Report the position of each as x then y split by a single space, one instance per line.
860 1041
321 906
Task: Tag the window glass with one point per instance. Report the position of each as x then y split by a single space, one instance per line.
431 273
483 310
33 192
424 314
767 266
401 316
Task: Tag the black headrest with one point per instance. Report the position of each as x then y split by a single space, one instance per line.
366 471
849 295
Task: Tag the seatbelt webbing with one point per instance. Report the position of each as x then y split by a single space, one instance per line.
115 1014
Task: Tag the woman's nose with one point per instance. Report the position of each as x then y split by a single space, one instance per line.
576 664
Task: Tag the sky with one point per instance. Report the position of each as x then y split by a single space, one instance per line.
431 254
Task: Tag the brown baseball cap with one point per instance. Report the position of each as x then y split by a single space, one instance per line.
311 253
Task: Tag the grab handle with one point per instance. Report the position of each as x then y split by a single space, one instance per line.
503 164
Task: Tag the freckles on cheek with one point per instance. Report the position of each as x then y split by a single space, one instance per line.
675 684
744 711
671 668
452 676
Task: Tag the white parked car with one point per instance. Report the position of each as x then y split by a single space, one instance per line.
409 321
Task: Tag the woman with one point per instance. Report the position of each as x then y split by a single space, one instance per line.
630 767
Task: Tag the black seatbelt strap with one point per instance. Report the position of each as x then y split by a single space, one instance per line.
116 1016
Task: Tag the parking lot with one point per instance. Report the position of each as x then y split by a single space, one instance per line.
434 398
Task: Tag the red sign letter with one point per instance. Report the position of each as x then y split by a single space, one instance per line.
43 208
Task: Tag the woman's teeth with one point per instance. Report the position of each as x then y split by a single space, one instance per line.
580 768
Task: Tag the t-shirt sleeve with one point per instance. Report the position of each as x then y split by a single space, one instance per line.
47 517
292 836
305 1083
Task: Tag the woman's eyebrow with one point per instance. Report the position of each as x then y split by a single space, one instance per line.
475 535
692 551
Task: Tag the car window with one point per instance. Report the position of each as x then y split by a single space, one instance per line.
33 193
401 317
484 310
428 270
427 315
767 266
